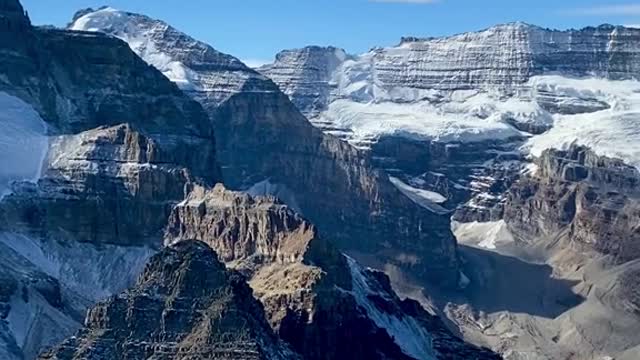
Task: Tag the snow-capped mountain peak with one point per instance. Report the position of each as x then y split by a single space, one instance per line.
191 64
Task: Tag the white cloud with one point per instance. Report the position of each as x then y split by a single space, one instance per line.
254 63
608 10
406 1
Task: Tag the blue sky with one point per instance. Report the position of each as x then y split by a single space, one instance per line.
255 30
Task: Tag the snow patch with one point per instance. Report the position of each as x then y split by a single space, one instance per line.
124 26
407 333
23 142
34 323
279 191
427 199
487 235
419 121
95 273
614 132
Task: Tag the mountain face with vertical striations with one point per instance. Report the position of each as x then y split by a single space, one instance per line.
266 146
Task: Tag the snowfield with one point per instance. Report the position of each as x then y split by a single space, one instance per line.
125 27
427 199
418 121
613 132
486 235
608 122
23 142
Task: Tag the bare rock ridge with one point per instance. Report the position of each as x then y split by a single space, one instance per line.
266 146
322 303
184 305
314 68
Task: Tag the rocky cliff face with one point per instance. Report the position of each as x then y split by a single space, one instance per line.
504 56
122 138
593 198
574 215
184 305
97 147
306 75
490 93
266 146
319 301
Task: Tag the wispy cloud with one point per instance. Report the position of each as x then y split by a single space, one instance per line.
406 1
607 10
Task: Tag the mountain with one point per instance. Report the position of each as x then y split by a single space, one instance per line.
266 146
504 57
96 148
318 300
529 135
104 159
185 304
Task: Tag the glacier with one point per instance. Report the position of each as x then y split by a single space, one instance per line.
613 132
23 142
546 87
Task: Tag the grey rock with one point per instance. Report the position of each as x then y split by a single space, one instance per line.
184 305
594 198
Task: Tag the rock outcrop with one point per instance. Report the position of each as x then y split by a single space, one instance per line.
319 301
593 199
306 75
573 220
266 146
184 305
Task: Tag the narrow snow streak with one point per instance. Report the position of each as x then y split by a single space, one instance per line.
427 199
407 333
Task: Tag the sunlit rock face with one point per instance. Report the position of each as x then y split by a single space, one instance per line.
323 303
